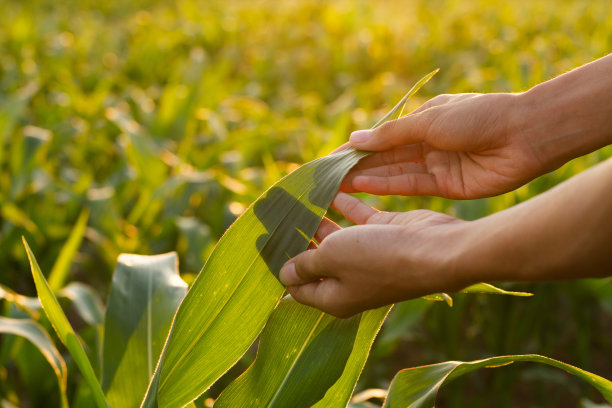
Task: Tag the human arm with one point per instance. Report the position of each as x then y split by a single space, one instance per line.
564 233
477 145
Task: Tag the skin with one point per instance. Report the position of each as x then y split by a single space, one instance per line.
469 146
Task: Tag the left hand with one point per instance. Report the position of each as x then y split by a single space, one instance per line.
389 257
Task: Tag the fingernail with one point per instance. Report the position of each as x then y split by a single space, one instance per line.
288 276
360 136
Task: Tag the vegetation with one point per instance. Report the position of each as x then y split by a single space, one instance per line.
147 127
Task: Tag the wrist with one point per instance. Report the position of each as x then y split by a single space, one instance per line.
448 270
568 116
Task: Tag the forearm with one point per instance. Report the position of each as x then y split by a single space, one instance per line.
570 115
565 233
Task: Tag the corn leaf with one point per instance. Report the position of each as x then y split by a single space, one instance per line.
33 332
86 302
316 347
145 293
237 290
30 305
493 290
340 393
61 267
417 387
63 329
238 287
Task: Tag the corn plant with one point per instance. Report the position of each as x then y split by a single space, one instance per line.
164 346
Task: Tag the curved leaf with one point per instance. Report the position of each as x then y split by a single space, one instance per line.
144 295
493 290
30 305
417 387
237 289
86 302
63 329
32 331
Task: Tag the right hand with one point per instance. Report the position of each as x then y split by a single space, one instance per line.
460 146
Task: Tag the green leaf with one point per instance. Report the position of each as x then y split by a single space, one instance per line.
340 393
30 305
144 296
314 346
63 329
237 290
59 272
490 289
417 387
398 108
32 331
238 287
86 302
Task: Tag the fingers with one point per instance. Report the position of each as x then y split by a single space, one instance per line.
404 184
353 209
326 295
325 228
409 153
398 169
302 269
409 129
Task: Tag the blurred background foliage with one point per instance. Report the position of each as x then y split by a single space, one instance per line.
167 118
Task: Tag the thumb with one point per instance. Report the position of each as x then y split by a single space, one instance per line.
409 129
302 269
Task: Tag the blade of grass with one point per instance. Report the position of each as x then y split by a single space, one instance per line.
61 267
63 329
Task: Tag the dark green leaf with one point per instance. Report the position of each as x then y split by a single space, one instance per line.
316 347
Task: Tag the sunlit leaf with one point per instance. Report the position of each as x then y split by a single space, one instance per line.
417 387
63 329
32 331
59 272
490 289
30 305
145 293
237 290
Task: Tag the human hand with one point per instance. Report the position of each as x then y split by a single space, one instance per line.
460 146
388 258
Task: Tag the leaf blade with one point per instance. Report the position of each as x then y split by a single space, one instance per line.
63 329
417 387
33 332
145 293
61 267
301 198
315 347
